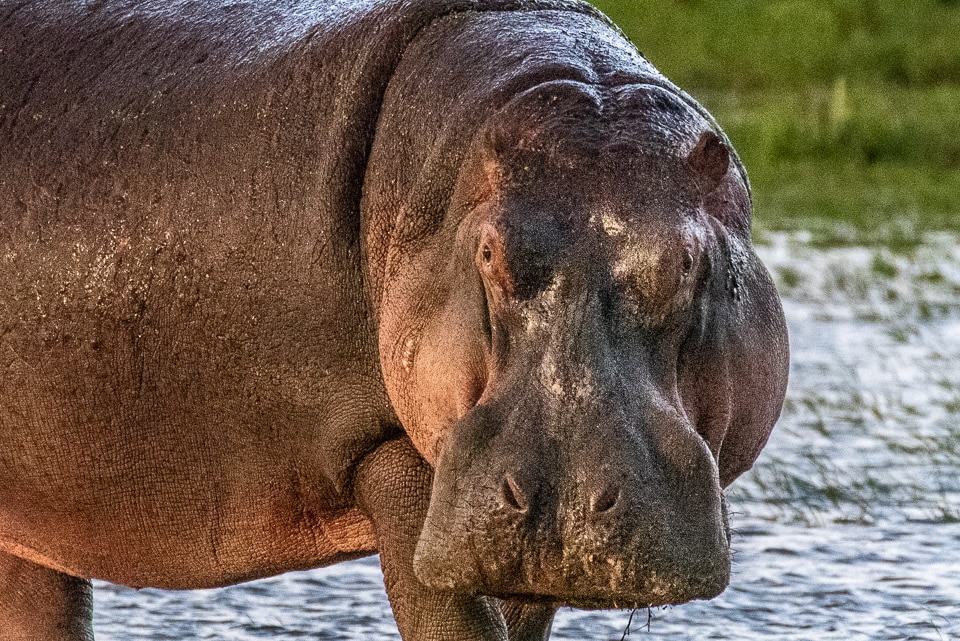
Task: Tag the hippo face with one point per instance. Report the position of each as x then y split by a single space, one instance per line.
587 353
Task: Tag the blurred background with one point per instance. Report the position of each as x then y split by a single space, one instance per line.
847 116
846 112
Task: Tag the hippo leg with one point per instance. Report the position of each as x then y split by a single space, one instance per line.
528 621
40 603
393 488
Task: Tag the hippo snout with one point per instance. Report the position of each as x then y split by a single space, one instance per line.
602 519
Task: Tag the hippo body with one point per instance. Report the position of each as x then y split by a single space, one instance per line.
465 283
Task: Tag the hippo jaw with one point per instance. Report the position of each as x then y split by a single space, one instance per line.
604 583
640 540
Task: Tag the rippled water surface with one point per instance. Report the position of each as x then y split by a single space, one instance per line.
847 528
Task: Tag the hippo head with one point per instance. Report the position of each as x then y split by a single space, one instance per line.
587 351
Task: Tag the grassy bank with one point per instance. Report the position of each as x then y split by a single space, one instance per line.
847 114
849 162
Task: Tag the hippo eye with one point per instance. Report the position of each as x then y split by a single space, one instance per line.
687 264
485 252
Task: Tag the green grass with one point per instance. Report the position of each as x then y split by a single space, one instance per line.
862 161
750 44
847 203
846 114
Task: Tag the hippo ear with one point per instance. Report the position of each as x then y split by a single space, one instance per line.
733 367
725 194
709 160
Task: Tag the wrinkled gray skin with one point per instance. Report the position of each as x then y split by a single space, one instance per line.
467 283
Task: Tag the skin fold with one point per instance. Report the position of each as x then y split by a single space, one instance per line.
465 283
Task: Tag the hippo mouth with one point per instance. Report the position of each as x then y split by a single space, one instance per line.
651 594
663 540
642 576
645 597
578 602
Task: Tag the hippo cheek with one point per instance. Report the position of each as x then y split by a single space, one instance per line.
732 371
609 516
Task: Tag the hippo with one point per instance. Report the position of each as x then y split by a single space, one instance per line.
467 284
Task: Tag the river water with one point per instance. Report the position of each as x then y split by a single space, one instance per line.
848 527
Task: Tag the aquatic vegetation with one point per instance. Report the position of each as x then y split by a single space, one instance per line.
871 426
870 283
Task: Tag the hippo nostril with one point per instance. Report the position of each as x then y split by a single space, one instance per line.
513 495
604 500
